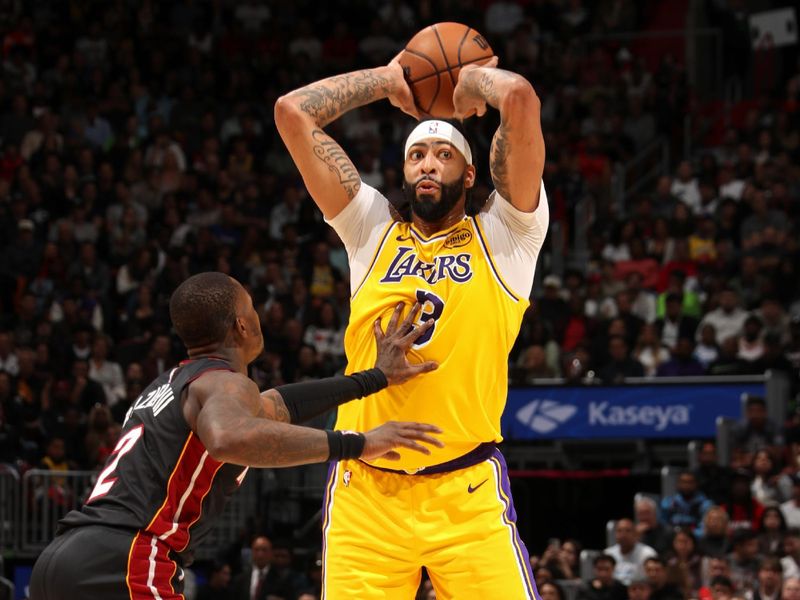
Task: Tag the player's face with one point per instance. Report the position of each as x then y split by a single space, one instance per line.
436 178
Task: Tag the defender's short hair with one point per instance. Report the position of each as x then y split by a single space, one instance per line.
203 308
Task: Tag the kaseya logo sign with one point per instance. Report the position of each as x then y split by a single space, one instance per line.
543 416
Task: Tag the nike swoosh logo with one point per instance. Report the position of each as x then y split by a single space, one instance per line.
471 489
403 238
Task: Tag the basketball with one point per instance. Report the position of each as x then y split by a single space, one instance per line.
432 60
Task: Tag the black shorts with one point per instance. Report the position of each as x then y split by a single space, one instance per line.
95 562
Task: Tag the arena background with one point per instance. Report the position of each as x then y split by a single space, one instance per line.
137 147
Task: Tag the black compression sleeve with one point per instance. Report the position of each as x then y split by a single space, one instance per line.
310 398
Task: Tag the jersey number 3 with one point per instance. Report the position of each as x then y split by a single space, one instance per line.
124 445
432 308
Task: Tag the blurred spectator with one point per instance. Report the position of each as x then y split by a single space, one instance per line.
650 531
791 548
683 363
751 344
714 539
620 365
675 324
771 531
722 588
218 583
706 351
628 552
603 585
688 506
260 579
743 510
756 431
791 508
791 589
660 588
770 580
288 577
770 486
106 372
728 320
639 589
684 562
685 186
744 559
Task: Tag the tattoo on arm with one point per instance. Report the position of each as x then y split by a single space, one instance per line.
337 161
501 146
252 437
326 100
281 412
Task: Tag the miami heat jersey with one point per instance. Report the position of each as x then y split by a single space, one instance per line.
473 279
160 479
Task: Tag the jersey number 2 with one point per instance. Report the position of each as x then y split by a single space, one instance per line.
124 445
432 307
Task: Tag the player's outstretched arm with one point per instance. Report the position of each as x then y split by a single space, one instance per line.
298 402
234 427
517 155
330 176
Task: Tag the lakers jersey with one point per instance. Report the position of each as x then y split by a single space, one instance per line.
473 280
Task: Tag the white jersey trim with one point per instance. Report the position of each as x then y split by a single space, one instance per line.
514 239
360 225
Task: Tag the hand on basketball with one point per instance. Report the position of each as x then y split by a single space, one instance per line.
466 100
401 97
382 441
398 339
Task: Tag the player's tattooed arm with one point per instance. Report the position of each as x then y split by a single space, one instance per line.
327 100
516 160
336 160
275 407
235 426
330 176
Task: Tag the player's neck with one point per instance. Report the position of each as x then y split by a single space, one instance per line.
215 351
430 228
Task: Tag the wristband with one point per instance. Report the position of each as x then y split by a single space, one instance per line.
345 444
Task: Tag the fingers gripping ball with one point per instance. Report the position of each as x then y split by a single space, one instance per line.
432 60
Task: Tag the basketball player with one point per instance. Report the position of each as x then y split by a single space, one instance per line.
450 511
187 442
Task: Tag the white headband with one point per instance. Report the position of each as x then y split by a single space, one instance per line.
439 130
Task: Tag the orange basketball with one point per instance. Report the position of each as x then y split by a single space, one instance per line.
432 60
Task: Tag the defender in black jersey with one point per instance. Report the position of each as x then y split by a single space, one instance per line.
190 437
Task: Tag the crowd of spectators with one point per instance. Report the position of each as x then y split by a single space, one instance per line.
727 532
137 147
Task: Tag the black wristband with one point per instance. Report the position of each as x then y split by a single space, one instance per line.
311 398
345 444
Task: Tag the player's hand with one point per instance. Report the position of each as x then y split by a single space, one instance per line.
398 339
401 96
382 441
467 100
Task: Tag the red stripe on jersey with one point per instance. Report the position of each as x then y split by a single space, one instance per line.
150 570
190 481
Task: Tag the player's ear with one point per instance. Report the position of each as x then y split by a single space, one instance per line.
469 176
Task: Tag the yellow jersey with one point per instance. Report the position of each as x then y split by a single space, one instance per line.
474 280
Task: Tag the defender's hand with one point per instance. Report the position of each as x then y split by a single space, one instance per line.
468 97
401 95
382 441
398 339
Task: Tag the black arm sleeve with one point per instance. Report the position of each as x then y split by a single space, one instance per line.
310 398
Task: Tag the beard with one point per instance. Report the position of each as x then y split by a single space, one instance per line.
424 205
